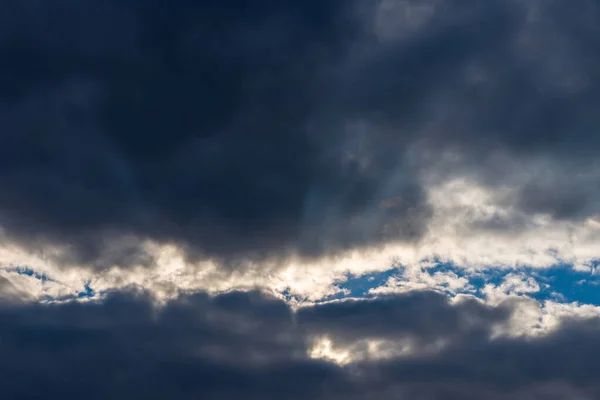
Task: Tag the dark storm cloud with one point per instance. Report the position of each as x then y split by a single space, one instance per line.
560 365
190 122
425 316
257 130
502 84
246 345
510 75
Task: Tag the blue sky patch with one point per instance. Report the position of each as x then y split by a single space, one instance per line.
560 283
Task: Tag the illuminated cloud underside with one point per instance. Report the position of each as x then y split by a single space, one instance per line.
453 237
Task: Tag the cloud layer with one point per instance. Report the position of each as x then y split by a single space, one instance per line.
247 345
186 123
193 195
285 128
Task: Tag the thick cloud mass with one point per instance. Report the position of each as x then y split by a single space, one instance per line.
188 122
245 345
259 138
281 127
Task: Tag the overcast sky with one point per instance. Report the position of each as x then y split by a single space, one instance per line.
311 199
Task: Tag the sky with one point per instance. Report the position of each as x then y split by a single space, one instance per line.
300 199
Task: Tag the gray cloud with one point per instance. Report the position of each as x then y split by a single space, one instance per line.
510 87
280 128
190 123
10 293
248 132
248 345
424 316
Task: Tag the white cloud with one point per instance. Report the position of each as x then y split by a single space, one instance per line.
419 278
514 284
